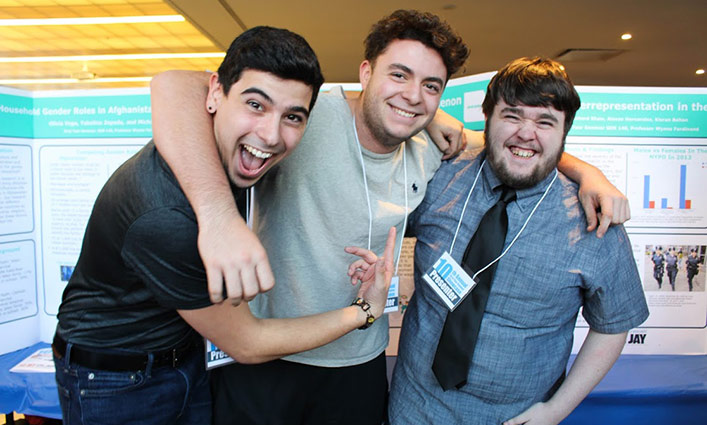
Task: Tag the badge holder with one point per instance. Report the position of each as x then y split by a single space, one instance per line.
449 280
391 304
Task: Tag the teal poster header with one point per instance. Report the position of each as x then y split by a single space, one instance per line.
109 116
16 115
641 114
462 99
463 102
605 111
104 116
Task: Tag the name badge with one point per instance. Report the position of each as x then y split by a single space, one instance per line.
449 280
391 304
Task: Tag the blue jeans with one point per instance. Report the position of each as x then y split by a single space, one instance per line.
159 396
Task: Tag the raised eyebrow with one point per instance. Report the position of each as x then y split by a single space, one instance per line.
401 67
258 91
255 90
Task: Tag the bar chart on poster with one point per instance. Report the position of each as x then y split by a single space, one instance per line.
663 183
664 186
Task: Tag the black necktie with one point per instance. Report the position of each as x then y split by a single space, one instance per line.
461 329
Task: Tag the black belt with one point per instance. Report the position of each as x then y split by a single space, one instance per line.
124 362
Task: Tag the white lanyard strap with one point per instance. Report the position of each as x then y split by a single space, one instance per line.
461 217
521 229
405 221
466 202
368 196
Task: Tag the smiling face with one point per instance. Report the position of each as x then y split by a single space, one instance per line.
401 93
524 143
258 123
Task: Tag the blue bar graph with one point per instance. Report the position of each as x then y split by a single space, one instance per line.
683 176
683 202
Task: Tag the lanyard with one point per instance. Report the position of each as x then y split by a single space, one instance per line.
368 196
461 217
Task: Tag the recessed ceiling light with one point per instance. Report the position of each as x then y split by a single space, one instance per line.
91 21
626 36
700 71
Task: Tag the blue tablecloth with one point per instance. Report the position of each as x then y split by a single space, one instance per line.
639 389
27 393
642 389
646 390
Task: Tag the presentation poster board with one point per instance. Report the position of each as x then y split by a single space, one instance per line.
57 149
652 144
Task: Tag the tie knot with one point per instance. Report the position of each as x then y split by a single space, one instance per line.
508 194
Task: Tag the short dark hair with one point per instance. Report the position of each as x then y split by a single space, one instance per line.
533 82
274 50
424 27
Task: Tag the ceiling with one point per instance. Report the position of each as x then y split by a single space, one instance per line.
669 38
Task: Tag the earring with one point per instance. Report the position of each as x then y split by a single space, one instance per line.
210 108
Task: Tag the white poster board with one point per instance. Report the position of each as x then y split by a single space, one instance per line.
57 149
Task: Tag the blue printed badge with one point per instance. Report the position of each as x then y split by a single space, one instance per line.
447 278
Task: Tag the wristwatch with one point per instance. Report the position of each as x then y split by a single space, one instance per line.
366 308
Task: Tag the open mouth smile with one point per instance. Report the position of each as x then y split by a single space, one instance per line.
253 160
257 153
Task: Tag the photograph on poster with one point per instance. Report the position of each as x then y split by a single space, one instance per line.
66 272
677 268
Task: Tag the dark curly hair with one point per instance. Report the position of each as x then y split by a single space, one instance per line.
424 27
